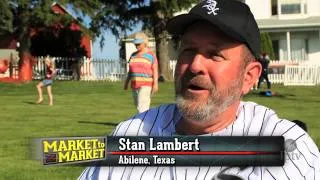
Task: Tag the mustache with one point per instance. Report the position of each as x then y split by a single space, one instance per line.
190 79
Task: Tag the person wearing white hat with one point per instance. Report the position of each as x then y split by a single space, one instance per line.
143 73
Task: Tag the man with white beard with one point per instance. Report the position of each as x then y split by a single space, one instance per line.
216 67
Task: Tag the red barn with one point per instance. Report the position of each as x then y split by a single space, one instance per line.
86 41
8 43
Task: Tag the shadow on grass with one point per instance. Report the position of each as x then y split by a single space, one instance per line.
275 95
102 123
30 102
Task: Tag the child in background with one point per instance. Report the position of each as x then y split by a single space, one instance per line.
47 82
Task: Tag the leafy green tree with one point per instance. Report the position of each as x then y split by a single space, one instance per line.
266 45
154 15
21 17
6 18
162 11
58 42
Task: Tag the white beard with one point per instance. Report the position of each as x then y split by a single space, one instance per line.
218 101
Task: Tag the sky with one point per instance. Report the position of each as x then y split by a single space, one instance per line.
110 49
111 45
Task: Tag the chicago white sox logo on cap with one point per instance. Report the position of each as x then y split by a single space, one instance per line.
211 7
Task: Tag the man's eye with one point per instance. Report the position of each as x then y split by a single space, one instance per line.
216 57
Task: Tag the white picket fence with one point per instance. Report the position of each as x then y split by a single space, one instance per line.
65 67
276 78
172 65
103 70
280 72
86 69
288 73
293 73
277 70
302 75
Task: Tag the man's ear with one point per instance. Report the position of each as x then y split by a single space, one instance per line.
251 76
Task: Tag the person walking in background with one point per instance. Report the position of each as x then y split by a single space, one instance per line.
264 60
143 73
47 82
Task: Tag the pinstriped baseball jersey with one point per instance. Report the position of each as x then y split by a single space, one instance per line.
251 120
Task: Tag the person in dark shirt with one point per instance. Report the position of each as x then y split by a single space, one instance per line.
264 60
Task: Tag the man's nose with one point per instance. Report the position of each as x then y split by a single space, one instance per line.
197 65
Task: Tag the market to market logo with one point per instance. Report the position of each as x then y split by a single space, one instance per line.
73 150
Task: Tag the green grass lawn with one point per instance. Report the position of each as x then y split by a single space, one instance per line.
94 109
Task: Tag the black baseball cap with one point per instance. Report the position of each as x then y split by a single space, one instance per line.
232 17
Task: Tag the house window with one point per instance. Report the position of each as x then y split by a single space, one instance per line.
291 6
290 9
298 52
284 7
307 47
275 45
274 7
299 49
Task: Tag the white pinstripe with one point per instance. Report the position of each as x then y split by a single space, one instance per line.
252 120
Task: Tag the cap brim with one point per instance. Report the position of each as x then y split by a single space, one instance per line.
178 24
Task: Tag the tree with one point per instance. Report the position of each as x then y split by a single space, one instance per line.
266 45
59 42
24 16
162 11
116 16
6 18
153 14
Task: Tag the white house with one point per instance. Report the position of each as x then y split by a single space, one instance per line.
293 25
294 28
